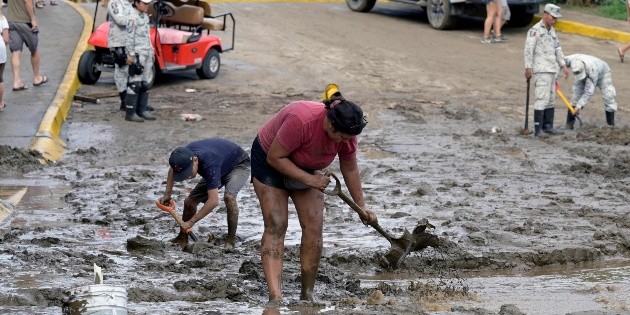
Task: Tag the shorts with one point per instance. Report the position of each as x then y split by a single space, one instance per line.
20 34
267 175
233 181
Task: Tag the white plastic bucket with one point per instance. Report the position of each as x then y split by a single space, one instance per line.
97 299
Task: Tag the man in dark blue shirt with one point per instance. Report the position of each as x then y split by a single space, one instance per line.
220 162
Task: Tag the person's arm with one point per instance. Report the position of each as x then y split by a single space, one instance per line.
31 13
589 90
530 43
117 15
208 206
352 177
5 35
278 158
169 186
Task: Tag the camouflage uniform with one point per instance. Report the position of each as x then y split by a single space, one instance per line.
119 12
591 72
544 58
138 45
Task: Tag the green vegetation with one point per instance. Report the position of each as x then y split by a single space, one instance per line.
614 9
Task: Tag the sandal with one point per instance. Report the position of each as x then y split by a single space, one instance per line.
53 2
39 5
44 80
21 87
4 106
620 54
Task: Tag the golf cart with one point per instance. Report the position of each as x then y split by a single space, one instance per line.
180 37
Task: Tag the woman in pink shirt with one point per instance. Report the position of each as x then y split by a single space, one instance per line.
287 156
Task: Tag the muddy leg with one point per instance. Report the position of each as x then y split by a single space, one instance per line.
274 204
232 219
310 205
190 208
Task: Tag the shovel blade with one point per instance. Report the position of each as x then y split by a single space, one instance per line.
400 248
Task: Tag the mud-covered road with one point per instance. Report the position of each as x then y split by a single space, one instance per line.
532 226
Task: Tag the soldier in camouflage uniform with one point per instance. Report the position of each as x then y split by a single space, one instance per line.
590 72
119 12
543 59
140 56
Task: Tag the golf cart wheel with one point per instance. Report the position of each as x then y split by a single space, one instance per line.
360 5
88 73
151 79
439 14
211 65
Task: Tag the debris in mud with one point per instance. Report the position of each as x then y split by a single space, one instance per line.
141 244
19 161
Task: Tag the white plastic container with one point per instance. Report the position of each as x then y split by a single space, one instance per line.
97 299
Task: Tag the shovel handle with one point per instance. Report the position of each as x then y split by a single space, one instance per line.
362 214
170 208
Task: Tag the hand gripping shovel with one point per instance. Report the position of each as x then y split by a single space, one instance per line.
171 210
400 247
569 106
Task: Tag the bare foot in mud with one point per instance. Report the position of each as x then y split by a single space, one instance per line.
181 240
230 244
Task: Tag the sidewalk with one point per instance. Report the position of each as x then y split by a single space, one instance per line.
34 118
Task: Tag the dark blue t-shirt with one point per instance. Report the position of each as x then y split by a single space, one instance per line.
217 158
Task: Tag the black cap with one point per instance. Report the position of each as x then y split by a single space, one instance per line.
181 161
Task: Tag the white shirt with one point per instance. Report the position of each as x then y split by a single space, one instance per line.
3 47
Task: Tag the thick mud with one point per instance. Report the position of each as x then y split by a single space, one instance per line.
525 226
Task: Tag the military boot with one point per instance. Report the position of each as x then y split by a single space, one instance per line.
547 126
131 102
141 109
538 119
570 120
610 118
122 95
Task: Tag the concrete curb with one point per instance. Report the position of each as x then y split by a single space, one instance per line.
47 140
588 30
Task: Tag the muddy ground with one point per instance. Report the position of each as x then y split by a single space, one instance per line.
443 143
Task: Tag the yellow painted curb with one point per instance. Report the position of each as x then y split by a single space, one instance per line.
588 30
47 140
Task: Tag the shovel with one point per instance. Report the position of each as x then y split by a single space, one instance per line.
171 210
569 106
400 247
526 129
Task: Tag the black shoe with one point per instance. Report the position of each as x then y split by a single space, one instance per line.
610 118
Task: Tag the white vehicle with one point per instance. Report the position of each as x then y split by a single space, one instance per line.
443 14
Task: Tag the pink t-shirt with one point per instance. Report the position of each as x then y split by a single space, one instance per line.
299 127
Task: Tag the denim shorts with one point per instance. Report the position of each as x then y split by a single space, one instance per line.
233 181
267 175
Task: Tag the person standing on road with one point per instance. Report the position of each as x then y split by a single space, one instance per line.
140 60
543 60
119 12
220 162
4 30
590 72
23 30
494 20
287 156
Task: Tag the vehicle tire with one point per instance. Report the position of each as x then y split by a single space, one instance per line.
439 14
211 65
520 17
151 80
360 5
87 72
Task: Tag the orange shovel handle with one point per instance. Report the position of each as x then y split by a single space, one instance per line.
171 210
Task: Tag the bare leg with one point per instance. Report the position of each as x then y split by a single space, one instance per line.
15 67
498 18
35 63
490 16
622 50
232 219
2 94
275 209
310 208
